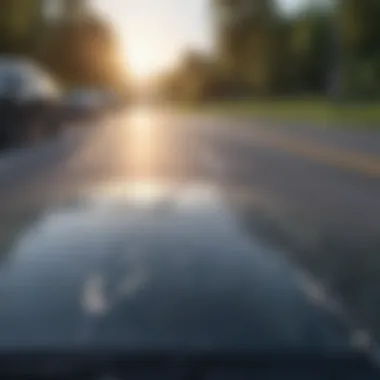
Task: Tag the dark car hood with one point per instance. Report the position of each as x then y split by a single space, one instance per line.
151 267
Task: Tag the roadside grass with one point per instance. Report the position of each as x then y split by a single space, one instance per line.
316 111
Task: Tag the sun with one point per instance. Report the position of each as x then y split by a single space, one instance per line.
142 60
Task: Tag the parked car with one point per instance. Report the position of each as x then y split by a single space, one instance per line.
29 102
83 104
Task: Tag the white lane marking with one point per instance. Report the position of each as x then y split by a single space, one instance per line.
94 301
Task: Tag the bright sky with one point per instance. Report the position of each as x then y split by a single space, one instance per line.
155 32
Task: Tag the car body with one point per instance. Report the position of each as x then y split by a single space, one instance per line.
162 276
82 104
87 103
111 100
29 102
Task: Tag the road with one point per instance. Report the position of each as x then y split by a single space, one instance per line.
234 216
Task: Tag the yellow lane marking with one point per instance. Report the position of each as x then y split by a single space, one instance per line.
337 157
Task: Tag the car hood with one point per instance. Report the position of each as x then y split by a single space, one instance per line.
157 267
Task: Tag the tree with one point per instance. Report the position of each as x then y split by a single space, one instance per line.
247 41
72 9
194 79
19 22
310 50
85 51
360 39
79 47
271 53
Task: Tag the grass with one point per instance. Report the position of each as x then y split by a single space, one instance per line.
310 110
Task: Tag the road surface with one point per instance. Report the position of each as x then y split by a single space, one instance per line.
231 219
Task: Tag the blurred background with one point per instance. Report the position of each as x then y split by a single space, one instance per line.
317 52
275 103
67 37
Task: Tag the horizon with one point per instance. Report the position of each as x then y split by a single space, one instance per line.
154 35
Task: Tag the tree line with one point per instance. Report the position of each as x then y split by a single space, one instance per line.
75 44
328 48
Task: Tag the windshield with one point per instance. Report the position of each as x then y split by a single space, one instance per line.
198 177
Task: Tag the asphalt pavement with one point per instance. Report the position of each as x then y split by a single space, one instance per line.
254 226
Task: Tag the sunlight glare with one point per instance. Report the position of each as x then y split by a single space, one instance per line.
140 193
141 119
142 60
143 134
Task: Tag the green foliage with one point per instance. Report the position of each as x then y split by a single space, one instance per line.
361 28
84 52
19 20
247 41
263 52
360 37
192 81
77 47
274 54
